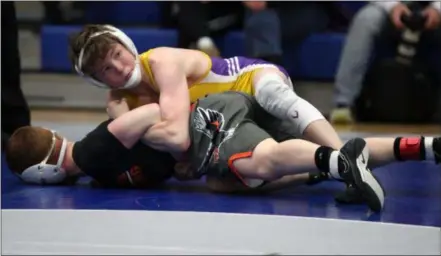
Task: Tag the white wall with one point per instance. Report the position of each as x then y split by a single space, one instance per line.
145 232
43 90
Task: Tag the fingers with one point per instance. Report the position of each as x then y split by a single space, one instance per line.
397 13
117 108
432 18
255 5
396 19
430 21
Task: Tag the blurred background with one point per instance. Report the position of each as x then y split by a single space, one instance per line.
331 49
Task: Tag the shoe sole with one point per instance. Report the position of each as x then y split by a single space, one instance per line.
366 182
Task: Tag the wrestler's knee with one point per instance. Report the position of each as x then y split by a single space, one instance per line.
260 165
269 71
274 92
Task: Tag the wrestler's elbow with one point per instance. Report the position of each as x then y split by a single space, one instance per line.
177 136
129 127
178 141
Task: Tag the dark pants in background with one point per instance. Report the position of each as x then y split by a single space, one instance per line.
15 110
282 24
52 12
211 19
428 52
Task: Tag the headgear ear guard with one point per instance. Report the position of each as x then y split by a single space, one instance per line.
43 173
135 78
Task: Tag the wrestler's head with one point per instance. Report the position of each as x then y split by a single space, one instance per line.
38 155
106 56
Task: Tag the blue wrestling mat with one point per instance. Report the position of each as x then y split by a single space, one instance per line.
413 196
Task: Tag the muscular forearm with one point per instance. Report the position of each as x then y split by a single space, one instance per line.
130 127
175 115
159 137
174 99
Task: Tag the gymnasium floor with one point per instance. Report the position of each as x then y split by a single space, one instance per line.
186 219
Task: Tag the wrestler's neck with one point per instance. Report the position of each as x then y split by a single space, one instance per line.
68 163
143 86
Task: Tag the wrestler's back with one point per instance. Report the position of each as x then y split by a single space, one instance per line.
229 74
196 64
205 75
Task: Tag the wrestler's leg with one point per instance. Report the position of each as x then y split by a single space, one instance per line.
383 151
271 161
274 92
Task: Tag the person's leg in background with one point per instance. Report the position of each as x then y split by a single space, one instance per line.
263 37
168 12
192 18
431 41
367 24
224 17
15 110
272 93
271 26
52 12
298 20
64 12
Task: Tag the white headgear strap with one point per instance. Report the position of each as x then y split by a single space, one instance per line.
134 79
44 173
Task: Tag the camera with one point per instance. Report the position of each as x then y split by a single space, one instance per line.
410 37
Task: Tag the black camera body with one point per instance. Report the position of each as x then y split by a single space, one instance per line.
410 37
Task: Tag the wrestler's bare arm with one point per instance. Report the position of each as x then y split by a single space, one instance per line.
131 126
129 123
174 100
157 138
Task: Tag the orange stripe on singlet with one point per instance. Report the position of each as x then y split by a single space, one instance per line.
192 106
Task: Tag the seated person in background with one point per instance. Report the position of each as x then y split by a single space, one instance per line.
368 25
199 22
270 25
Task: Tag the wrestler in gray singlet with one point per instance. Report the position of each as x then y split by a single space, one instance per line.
227 126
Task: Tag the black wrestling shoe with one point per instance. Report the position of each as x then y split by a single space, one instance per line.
316 178
355 173
437 149
350 196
